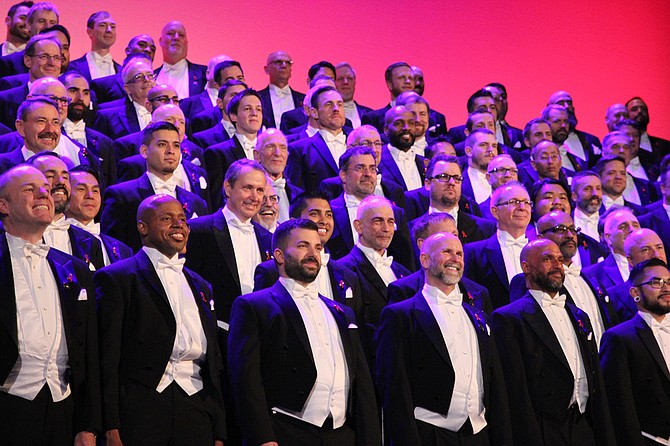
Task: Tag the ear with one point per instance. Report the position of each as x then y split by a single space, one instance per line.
467 132
358 226
526 142
343 176
279 256
257 156
227 188
144 151
426 184
19 127
574 197
126 89
634 293
524 267
532 163
148 106
265 68
219 103
142 228
27 61
233 118
468 151
424 259
314 113
4 206
89 32
494 211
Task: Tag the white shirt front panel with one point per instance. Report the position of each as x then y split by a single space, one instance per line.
246 250
406 162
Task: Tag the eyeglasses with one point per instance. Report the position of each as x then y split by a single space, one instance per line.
445 178
359 168
279 63
504 170
368 143
273 199
46 57
141 77
61 100
656 283
515 202
545 158
165 99
562 229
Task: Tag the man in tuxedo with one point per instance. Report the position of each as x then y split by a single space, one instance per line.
505 133
62 406
548 195
480 148
399 78
653 145
481 100
438 368
550 360
186 77
207 99
421 111
161 367
97 63
544 162
226 73
161 149
634 358
297 368
657 219
501 170
299 122
268 215
278 97
641 163
208 129
226 246
84 206
559 121
612 173
17 29
345 80
615 113
587 194
399 162
494 261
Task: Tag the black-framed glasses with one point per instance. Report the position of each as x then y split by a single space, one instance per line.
562 229
371 144
273 199
59 99
656 282
504 170
165 99
515 202
445 178
141 77
46 57
360 168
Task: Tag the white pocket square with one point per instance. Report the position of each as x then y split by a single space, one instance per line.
348 294
352 326
83 295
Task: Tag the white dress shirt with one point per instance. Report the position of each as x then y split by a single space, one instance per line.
181 177
9 48
284 204
68 150
352 203
323 278
511 252
351 113
630 193
406 162
76 131
92 228
453 212
245 247
420 145
213 94
566 163
645 142
379 190
229 127
382 263
168 187
190 343
176 76
635 168
480 186
331 388
574 146
661 331
282 101
143 115
311 131
467 399
99 66
56 235
248 145
337 144
623 265
560 322
43 354
584 299
588 223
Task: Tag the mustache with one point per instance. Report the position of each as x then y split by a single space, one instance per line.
59 187
48 135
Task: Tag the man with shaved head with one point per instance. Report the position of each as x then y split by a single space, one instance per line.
549 356
398 160
189 79
615 114
438 370
278 97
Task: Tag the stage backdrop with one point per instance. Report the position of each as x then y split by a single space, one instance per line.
600 51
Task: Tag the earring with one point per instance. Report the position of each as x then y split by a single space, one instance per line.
636 298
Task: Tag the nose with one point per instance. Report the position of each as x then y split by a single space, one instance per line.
41 192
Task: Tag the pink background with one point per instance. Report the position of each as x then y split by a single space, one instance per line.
601 51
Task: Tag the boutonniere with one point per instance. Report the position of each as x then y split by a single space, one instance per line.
338 309
584 244
115 253
268 256
602 295
68 282
341 284
470 300
84 152
463 235
467 206
582 329
185 152
185 206
86 259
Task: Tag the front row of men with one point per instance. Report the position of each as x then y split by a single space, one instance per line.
148 369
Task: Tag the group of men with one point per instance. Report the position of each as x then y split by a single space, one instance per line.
189 261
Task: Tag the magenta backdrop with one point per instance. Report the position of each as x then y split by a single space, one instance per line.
601 51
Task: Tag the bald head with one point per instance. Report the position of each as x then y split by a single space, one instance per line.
442 261
643 244
542 265
174 115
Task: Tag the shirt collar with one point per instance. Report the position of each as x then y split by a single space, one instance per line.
229 215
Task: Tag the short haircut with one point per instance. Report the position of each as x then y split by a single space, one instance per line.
633 99
300 203
388 74
470 140
235 170
27 105
68 76
128 66
604 217
627 122
602 163
15 7
317 66
392 112
497 85
320 77
411 97
218 69
372 201
34 40
234 103
536 147
354 151
432 148
130 57
550 107
441 157
86 169
31 161
471 118
638 270
495 196
284 230
153 127
531 123
607 140
314 102
583 174
421 228
346 64
477 94
58 28
538 185
224 88
355 134
90 23
42 6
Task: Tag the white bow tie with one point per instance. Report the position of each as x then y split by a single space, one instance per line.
558 301
35 249
572 269
384 262
175 265
406 156
592 219
246 228
379 179
10 48
662 326
169 185
339 139
351 201
280 183
61 225
74 129
520 242
325 258
103 59
311 291
283 92
455 299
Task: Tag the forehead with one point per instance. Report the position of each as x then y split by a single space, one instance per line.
636 103
484 100
621 139
105 19
401 71
614 164
278 55
482 117
317 204
444 225
539 127
250 175
47 163
43 13
300 234
330 95
164 135
648 238
547 147
562 97
481 137
174 27
589 180
55 88
82 178
555 113
139 66
344 70
443 243
367 134
46 45
234 89
629 129
21 10
26 175
270 188
551 189
619 218
380 211
559 218
617 108
655 271
276 138
362 159
76 82
143 39
514 192
405 115
168 112
167 207
249 100
443 166
45 110
162 90
502 161
417 106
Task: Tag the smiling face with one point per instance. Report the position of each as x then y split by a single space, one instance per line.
58 176
588 193
301 260
551 197
18 26
319 211
249 116
399 128
442 259
163 226
85 200
27 203
245 196
50 66
543 267
375 227
360 179
41 129
272 152
268 214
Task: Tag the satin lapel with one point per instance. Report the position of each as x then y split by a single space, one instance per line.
262 243
532 313
341 218
321 148
294 319
611 270
237 149
81 246
483 332
493 251
225 244
336 277
389 167
607 311
130 121
426 320
204 307
369 272
343 327
186 201
68 292
148 274
421 166
647 336
8 296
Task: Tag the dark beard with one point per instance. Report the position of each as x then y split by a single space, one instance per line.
545 283
297 272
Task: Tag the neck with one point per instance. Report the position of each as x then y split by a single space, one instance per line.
237 215
171 59
57 217
474 166
585 212
31 234
280 84
162 175
140 100
100 51
14 40
275 177
333 132
81 219
514 232
440 207
250 135
432 281
612 196
532 286
378 251
225 117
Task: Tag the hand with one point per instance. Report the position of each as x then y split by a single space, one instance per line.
84 439
113 438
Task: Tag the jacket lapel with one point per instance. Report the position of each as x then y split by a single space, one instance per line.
494 253
341 218
321 148
390 168
539 323
148 274
426 320
68 291
290 310
647 336
225 244
369 271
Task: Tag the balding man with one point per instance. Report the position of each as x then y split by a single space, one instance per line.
278 97
186 77
345 79
615 113
550 359
208 98
438 369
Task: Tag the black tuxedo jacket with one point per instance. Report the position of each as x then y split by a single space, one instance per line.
218 159
72 278
417 203
12 64
414 369
392 191
137 332
606 273
342 240
15 157
484 264
193 105
635 208
108 88
86 247
271 364
211 254
205 119
437 123
10 141
209 137
389 168
657 220
291 119
129 145
14 81
197 79
623 302
268 113
81 66
115 249
592 148
638 382
9 104
116 122
539 380
590 250
310 162
119 214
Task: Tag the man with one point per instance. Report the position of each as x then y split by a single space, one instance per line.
419 83
115 122
657 147
482 100
505 133
278 97
657 220
186 77
161 367
17 29
398 161
345 80
222 129
421 110
614 115
642 164
208 98
460 395
587 194
271 152
246 113
548 195
638 191
268 215
543 339
634 359
494 261
439 122
61 406
84 206
501 170
480 148
481 118
544 162
97 63
612 173
315 158
535 131
558 118
226 246
290 386
357 174
161 149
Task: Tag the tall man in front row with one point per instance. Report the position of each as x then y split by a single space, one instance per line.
297 368
437 364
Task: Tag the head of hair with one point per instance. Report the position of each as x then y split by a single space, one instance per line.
42 6
440 157
579 175
86 169
317 66
470 122
16 6
31 161
34 40
346 64
602 163
530 124
60 28
627 122
638 270
495 196
235 170
421 228
299 203
319 91
607 140
90 23
407 98
497 85
283 231
153 127
388 74
550 107
633 99
218 69
355 133
229 83
27 105
538 185
234 103
477 94
470 140
354 151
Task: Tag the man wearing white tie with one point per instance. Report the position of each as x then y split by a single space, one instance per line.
97 63
18 32
587 194
278 97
